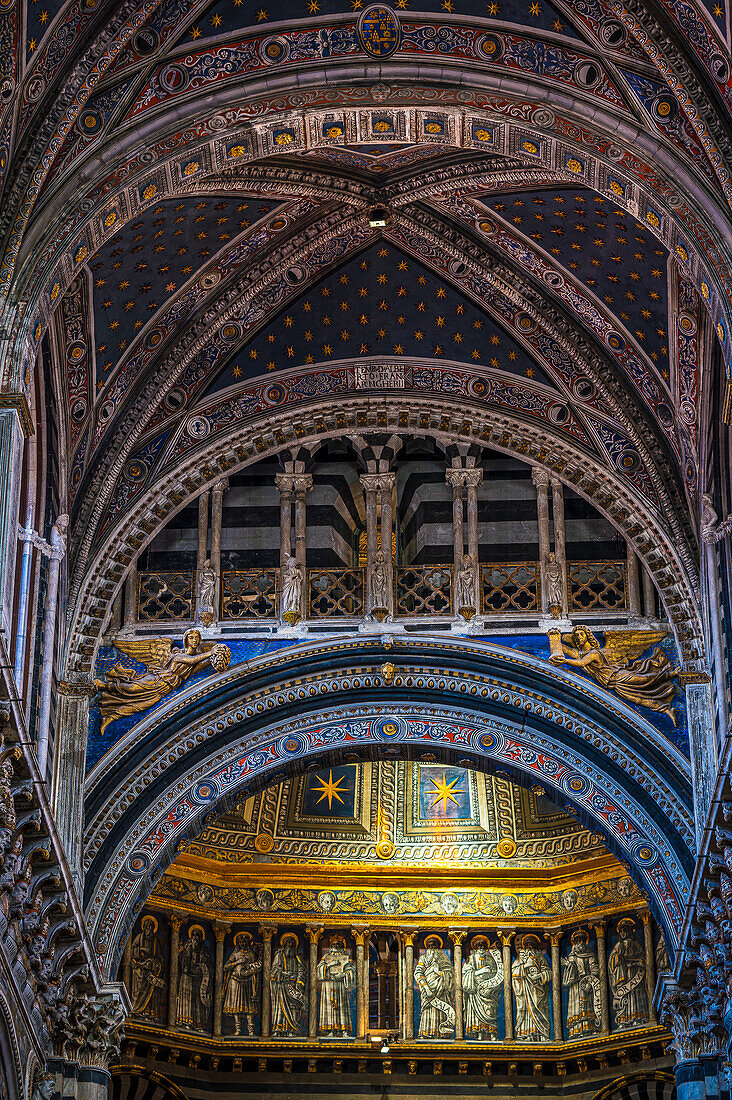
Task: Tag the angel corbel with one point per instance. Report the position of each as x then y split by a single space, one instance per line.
647 682
128 692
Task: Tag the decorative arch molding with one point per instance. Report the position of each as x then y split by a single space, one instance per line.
509 711
607 149
442 418
639 1086
142 1078
247 303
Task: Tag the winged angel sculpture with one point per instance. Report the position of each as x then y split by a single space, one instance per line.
128 692
617 666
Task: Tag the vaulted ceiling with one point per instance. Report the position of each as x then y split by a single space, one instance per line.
186 243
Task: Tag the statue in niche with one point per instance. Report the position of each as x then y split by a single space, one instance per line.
291 585
379 595
554 585
207 594
482 985
581 978
241 983
337 976
128 692
617 666
195 981
465 583
146 968
288 988
531 977
627 974
434 976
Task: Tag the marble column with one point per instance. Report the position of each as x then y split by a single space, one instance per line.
266 931
219 931
560 542
202 549
633 592
700 713
217 507
473 478
56 554
555 939
392 1020
540 478
131 596
127 965
455 481
175 926
284 485
408 940
649 595
600 929
314 932
361 936
379 488
302 484
650 963
13 426
457 935
506 938
381 971
388 484
72 725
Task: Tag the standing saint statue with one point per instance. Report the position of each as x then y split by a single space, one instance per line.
482 985
531 977
465 585
146 968
207 594
288 988
337 976
379 595
553 585
581 977
291 585
434 976
627 973
195 981
241 983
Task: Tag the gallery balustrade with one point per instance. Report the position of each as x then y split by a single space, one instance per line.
420 591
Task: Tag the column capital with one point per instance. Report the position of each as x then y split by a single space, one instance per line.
554 935
375 482
361 934
221 485
294 483
219 930
540 477
506 935
314 931
176 922
460 477
645 916
408 936
457 935
267 931
599 927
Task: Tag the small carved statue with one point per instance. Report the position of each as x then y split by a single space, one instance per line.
465 585
128 692
554 586
647 681
291 586
627 973
195 981
531 978
581 977
379 582
663 962
207 594
241 983
482 985
288 988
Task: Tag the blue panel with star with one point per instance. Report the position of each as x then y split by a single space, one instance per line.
444 794
615 257
330 792
139 268
381 302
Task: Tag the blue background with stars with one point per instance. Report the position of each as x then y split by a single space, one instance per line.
615 257
138 269
382 302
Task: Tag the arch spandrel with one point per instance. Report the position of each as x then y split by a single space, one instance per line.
558 737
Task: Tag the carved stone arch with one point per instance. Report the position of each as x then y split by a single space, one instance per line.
639 1086
133 1082
19 1070
398 412
508 711
258 285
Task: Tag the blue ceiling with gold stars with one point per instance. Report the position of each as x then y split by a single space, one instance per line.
139 269
382 302
617 259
